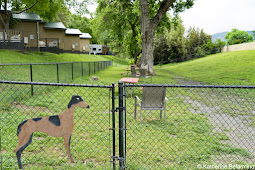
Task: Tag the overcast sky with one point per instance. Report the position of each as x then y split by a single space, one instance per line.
216 16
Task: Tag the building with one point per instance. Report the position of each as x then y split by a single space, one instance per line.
52 37
34 34
72 40
24 33
29 24
84 42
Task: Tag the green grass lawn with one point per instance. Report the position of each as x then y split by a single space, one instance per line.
183 141
228 68
7 56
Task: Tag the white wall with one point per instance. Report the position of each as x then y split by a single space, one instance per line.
239 47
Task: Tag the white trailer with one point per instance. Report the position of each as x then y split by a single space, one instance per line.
95 49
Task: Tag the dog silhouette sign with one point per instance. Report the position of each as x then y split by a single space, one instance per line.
57 126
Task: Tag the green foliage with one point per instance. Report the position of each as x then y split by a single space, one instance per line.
237 37
49 10
170 46
131 61
46 9
13 22
117 25
81 23
64 15
196 38
173 46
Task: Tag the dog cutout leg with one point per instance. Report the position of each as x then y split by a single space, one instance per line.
21 149
67 142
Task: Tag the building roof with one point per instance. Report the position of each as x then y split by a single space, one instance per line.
27 16
85 36
55 25
70 31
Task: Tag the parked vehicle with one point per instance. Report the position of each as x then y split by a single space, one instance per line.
99 49
95 49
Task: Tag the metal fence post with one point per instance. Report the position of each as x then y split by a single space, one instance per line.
94 67
31 79
82 69
1 160
57 74
121 129
113 128
89 68
72 71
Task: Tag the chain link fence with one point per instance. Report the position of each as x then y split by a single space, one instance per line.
91 141
200 126
178 127
50 72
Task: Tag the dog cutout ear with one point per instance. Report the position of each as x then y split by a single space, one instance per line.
74 100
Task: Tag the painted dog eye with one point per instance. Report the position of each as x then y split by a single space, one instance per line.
77 99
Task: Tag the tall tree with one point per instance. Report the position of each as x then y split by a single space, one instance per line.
150 21
196 38
237 37
117 23
170 46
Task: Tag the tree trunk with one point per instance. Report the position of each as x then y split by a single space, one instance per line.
147 29
147 59
5 20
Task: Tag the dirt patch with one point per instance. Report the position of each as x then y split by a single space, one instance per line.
29 109
236 128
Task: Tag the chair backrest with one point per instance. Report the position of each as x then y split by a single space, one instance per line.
142 73
153 98
133 72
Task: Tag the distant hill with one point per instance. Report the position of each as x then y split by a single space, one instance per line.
222 35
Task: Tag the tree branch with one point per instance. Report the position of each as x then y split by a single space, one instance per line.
165 5
18 12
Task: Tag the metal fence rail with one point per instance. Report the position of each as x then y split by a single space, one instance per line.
204 126
50 72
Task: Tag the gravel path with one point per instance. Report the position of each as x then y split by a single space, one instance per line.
237 128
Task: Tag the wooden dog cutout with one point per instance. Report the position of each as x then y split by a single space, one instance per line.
57 126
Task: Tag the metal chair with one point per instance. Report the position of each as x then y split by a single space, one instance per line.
154 98
143 75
